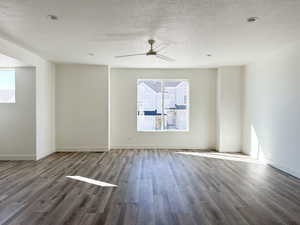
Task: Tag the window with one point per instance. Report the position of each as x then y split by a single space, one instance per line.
162 105
7 86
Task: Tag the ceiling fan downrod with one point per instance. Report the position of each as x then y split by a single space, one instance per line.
151 51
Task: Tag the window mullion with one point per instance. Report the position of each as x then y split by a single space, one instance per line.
163 103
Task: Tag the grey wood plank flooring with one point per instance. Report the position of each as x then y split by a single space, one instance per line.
155 187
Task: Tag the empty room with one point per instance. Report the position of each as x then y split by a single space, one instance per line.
137 112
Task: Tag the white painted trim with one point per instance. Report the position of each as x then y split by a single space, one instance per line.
230 148
108 108
16 157
44 155
159 147
285 169
82 149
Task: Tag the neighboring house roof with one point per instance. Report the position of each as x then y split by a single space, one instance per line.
172 83
156 86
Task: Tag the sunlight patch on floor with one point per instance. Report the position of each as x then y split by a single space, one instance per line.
224 156
92 181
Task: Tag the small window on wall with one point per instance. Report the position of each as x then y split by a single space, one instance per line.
7 86
162 105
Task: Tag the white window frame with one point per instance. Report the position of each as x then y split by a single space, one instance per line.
162 114
10 69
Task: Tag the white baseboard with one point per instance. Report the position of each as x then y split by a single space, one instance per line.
82 149
44 155
17 157
229 148
158 147
286 169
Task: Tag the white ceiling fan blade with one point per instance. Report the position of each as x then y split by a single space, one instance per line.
161 47
120 56
165 58
157 56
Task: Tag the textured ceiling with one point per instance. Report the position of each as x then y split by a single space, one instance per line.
192 28
6 61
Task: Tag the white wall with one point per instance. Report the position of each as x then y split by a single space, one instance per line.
123 101
45 109
272 109
45 120
82 107
17 120
230 108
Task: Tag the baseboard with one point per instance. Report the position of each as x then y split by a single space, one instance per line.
283 168
229 149
82 149
5 157
159 147
44 155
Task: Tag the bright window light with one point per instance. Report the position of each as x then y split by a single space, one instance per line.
92 181
162 105
255 146
7 86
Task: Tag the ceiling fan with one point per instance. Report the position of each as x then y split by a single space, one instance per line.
152 51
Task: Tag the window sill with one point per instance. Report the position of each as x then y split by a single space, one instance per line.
162 131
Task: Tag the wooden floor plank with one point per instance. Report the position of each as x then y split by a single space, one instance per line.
154 187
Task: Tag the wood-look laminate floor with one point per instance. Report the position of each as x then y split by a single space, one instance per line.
155 187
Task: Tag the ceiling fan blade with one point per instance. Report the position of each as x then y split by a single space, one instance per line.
161 47
165 58
120 56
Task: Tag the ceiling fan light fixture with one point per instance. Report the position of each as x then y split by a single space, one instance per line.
52 17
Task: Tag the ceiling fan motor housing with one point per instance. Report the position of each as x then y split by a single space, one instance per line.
151 52
154 52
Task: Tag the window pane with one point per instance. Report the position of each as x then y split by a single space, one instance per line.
149 105
175 105
7 86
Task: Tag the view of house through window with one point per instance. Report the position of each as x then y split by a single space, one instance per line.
162 105
7 86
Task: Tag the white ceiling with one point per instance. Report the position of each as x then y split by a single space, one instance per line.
193 28
7 62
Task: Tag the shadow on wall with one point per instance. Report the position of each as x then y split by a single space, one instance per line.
256 150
